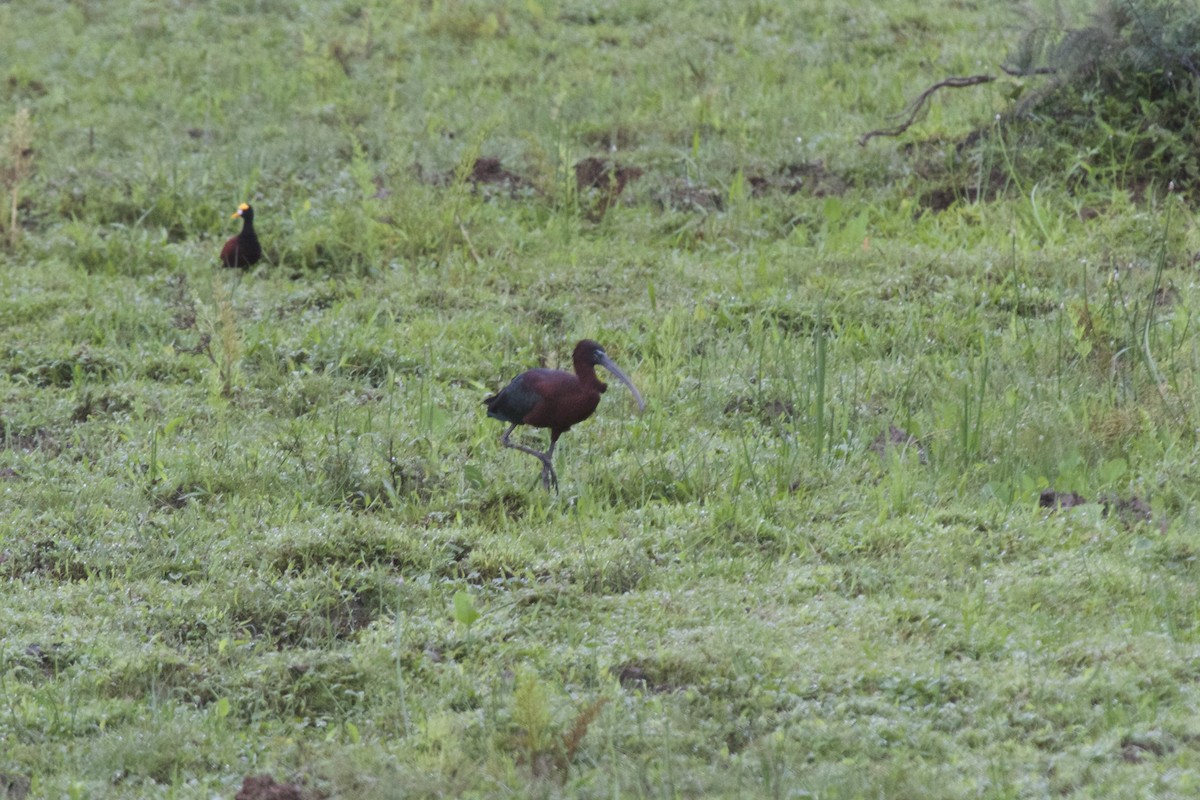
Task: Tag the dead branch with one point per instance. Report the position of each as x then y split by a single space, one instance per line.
916 105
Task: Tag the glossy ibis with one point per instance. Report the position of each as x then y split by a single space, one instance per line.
242 251
555 399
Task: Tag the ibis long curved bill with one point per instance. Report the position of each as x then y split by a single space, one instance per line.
603 360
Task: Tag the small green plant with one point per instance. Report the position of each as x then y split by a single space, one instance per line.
458 206
221 340
971 415
531 714
465 612
216 322
546 748
820 372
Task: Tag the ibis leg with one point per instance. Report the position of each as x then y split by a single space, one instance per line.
548 475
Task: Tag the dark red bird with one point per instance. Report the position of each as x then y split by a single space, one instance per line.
242 251
554 399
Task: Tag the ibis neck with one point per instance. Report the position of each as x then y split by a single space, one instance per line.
586 372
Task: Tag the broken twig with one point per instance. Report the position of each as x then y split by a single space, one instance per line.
953 83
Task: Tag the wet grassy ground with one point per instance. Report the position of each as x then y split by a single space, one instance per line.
261 524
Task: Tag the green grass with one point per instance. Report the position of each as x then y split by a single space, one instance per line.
247 517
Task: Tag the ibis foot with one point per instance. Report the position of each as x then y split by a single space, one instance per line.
549 476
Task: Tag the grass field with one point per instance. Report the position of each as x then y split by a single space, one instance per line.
259 524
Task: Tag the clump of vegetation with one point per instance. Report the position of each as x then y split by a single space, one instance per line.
1110 103
1120 104
18 166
